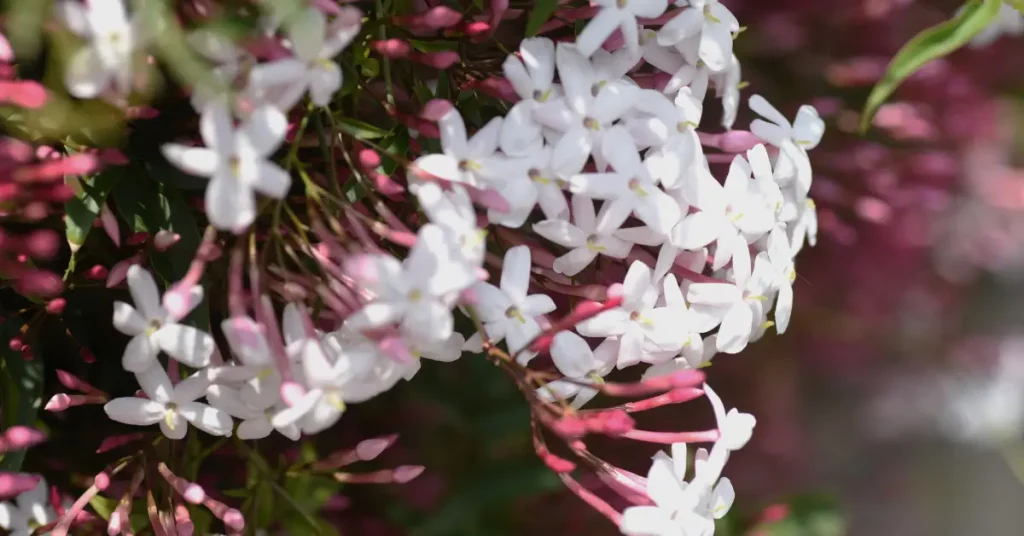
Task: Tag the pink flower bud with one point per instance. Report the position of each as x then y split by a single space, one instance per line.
119 272
435 109
56 306
59 402
436 18
477 29
77 384
12 484
113 442
22 437
15 344
439 60
234 520
368 159
392 48
42 244
23 93
371 448
97 272
40 283
405 473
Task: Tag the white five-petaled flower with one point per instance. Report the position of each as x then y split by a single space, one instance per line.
632 188
738 309
417 293
638 323
680 508
256 417
508 312
621 15
576 361
112 36
29 511
474 161
249 345
732 216
703 32
792 139
453 212
171 406
589 236
154 329
315 44
236 161
670 128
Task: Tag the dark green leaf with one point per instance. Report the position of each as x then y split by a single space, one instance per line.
360 129
103 506
931 44
149 205
83 209
21 389
541 13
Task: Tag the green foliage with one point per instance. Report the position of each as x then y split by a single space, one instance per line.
148 204
21 390
83 209
931 44
541 13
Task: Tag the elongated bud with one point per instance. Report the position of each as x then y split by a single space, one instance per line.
442 59
12 484
56 306
231 518
163 240
436 18
62 401
77 384
192 492
21 437
392 48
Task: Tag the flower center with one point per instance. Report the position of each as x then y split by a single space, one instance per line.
541 96
468 165
536 176
621 4
514 312
683 126
596 88
335 401
415 295
170 412
593 245
591 123
711 17
235 165
152 327
637 187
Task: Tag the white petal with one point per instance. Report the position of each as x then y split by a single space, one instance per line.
600 185
783 308
198 161
635 285
686 24
230 401
264 130
714 293
576 75
716 46
648 521
229 206
597 30
485 141
324 82
561 232
539 57
215 127
134 411
174 426
515 273
538 304
662 485
431 320
658 210
304 405
572 355
144 293
140 353
208 419
277 73
441 166
520 134
571 152
574 261
614 100
609 323
256 428
762 107
187 344
306 30
736 328
516 74
271 180
127 320
723 498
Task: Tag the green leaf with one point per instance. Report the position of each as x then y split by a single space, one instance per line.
360 129
541 13
21 389
104 506
931 44
83 209
150 205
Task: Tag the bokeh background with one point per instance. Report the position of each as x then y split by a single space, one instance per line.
894 403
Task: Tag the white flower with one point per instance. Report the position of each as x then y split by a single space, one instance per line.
575 360
546 176
806 227
248 343
618 14
793 140
784 274
669 127
680 508
591 235
256 418
230 61
732 215
590 105
314 45
508 312
631 188
474 162
236 162
637 320
29 510
108 56
153 329
735 428
668 59
702 32
324 402
172 407
739 308
532 73
453 211
416 293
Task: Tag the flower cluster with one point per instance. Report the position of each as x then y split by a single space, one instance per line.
599 183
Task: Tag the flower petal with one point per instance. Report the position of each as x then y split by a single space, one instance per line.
198 161
187 344
515 273
135 411
127 320
229 206
208 419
